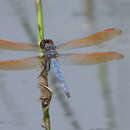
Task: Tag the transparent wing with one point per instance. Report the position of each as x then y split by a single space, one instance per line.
4 44
89 58
91 40
20 64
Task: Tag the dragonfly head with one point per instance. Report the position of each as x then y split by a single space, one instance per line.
45 43
49 47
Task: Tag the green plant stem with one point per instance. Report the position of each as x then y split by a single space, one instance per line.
40 27
40 36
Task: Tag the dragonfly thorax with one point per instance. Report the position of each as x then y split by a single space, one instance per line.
48 47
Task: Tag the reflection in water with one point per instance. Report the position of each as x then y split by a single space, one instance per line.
90 11
107 96
64 104
19 11
11 107
102 73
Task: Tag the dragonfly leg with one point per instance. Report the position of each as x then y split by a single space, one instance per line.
46 65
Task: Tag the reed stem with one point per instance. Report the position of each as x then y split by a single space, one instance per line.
46 93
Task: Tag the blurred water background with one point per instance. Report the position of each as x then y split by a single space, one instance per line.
99 94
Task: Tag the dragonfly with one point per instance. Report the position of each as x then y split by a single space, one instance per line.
51 56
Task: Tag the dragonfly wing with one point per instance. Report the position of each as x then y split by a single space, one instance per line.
89 58
59 76
9 45
91 40
19 64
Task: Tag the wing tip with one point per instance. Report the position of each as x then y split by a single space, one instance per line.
116 30
118 55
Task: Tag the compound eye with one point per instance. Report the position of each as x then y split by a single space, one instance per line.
42 44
